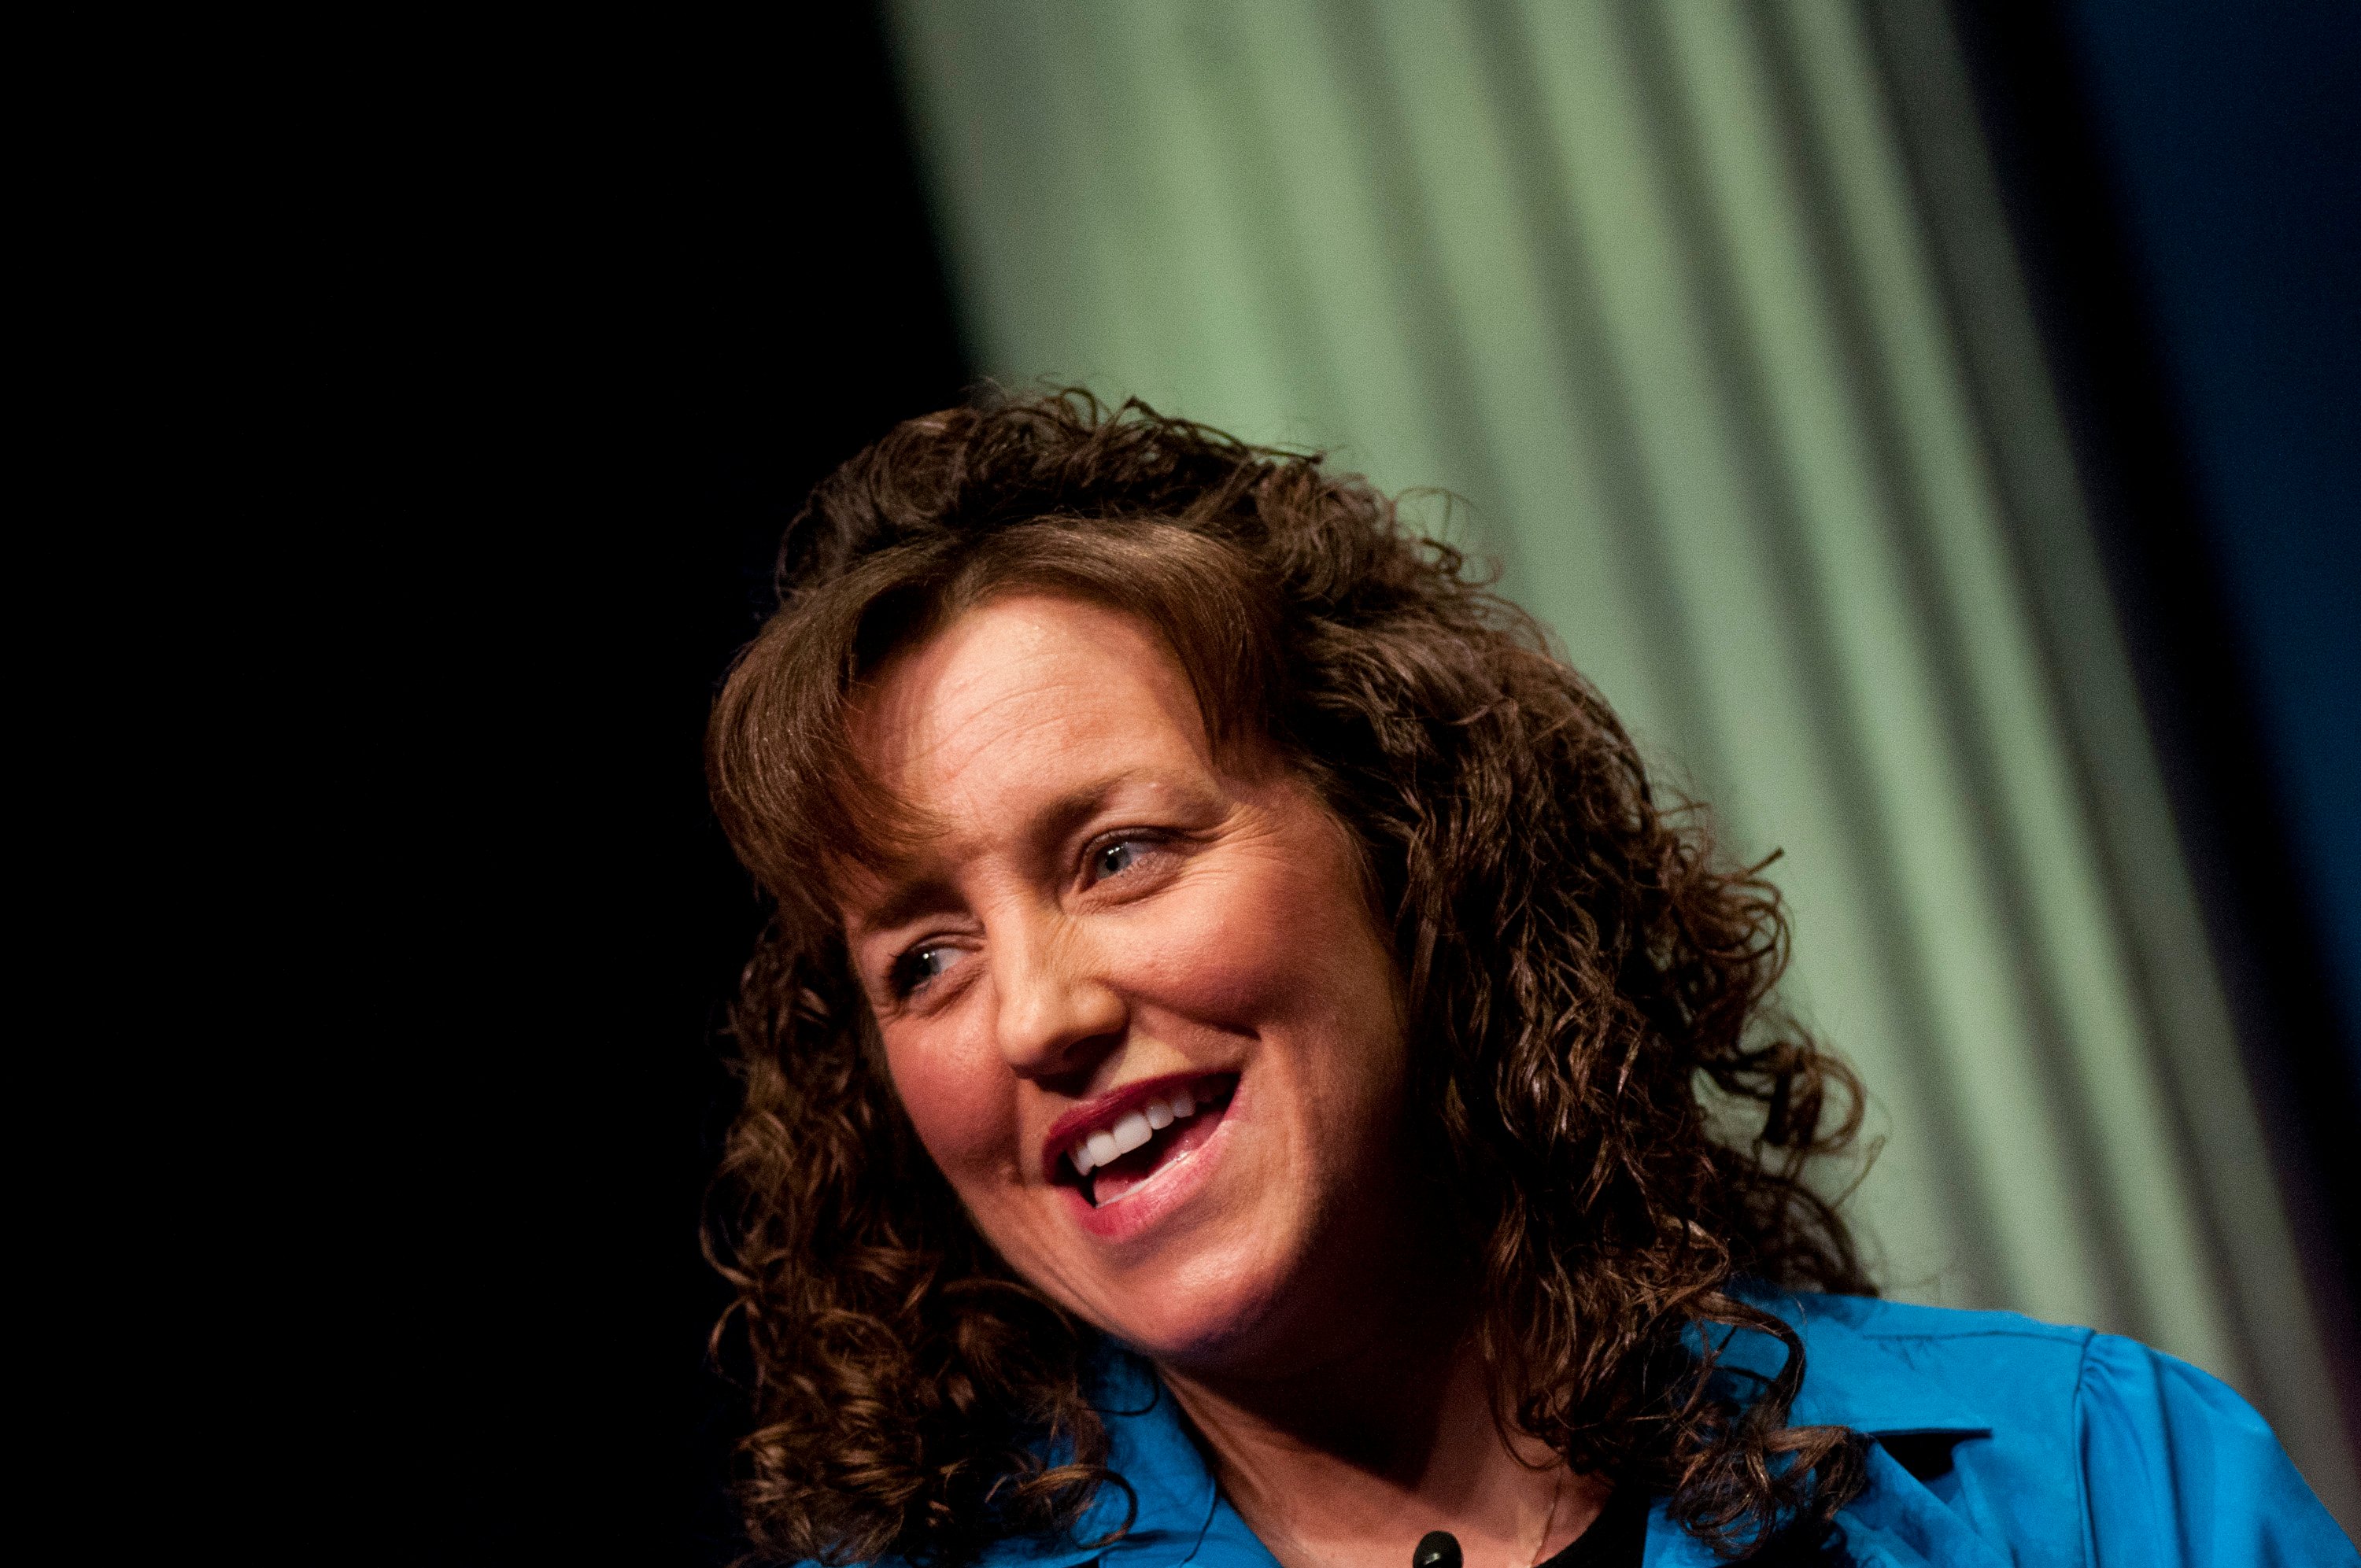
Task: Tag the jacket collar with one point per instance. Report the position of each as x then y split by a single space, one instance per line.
1854 1379
1152 1451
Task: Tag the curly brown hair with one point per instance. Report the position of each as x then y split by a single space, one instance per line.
1621 1116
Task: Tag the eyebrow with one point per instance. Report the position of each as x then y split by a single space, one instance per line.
908 900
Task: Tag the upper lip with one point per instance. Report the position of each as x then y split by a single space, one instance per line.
1105 1111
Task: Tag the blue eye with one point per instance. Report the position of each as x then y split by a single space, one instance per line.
1115 859
919 965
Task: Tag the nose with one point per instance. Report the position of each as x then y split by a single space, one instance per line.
1058 1011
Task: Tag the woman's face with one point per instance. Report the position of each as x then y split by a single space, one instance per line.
1134 999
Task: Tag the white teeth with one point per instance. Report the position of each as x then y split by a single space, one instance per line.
1132 1132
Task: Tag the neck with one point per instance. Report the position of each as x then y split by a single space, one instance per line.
1349 1455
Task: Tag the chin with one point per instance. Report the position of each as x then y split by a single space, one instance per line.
1207 1310
1217 1255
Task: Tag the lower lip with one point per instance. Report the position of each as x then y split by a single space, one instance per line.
1140 1210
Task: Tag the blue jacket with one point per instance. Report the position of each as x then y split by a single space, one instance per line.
2032 1446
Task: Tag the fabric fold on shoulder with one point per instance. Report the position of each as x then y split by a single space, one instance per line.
2192 1473
1853 1378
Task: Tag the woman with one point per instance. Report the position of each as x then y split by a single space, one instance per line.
1246 1067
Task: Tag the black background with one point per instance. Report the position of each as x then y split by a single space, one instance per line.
600 305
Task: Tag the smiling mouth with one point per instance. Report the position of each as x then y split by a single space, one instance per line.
1111 1161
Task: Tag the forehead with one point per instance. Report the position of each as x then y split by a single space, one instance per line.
1028 692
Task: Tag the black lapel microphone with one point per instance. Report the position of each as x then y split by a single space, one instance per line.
1436 1549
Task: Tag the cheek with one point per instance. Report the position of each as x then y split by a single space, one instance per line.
1285 944
1222 950
961 1098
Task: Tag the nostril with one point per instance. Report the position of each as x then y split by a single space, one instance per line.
1056 1014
